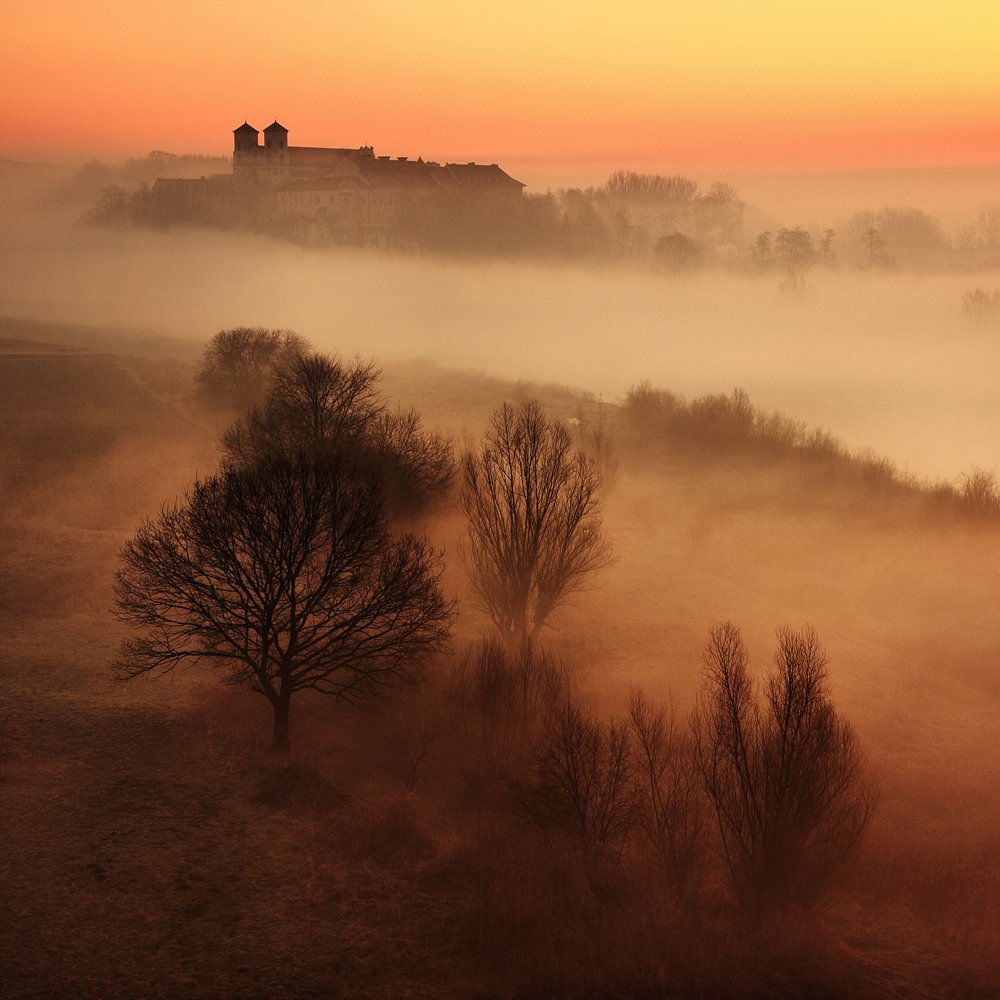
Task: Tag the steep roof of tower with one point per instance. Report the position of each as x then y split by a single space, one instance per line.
246 127
275 126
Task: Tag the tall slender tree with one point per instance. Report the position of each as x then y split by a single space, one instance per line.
534 529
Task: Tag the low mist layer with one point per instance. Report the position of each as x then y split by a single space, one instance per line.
884 361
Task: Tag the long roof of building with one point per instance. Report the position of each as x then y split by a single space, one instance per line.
384 171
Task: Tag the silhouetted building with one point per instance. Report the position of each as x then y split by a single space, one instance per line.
354 193
341 195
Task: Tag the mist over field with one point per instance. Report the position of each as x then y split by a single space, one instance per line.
410 845
884 361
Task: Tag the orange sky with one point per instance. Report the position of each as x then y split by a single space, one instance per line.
694 84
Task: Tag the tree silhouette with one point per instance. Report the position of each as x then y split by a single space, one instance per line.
581 779
784 777
239 364
534 532
794 251
632 184
671 805
286 577
329 410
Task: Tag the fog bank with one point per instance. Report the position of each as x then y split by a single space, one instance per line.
882 361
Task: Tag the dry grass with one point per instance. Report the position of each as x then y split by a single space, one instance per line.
152 846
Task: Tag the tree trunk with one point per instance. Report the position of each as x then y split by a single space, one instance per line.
279 743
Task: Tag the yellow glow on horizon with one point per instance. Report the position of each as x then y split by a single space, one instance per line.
720 81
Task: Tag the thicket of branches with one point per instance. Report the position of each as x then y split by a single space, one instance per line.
657 424
772 782
784 774
239 364
330 410
533 513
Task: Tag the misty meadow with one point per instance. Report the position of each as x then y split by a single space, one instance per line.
542 620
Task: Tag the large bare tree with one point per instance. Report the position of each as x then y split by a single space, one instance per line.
785 775
284 575
534 528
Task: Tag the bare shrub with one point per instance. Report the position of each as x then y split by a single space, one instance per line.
416 467
777 430
670 800
822 444
503 697
720 418
648 414
877 471
981 306
784 774
581 779
980 493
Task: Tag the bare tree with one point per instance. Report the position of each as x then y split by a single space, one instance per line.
239 364
286 577
671 809
316 405
785 776
989 225
582 779
416 467
327 410
534 532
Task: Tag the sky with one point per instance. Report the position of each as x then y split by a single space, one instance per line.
713 84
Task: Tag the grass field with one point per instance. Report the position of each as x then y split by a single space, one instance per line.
152 847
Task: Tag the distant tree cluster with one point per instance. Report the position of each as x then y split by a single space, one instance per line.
94 177
239 365
640 215
903 237
664 221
